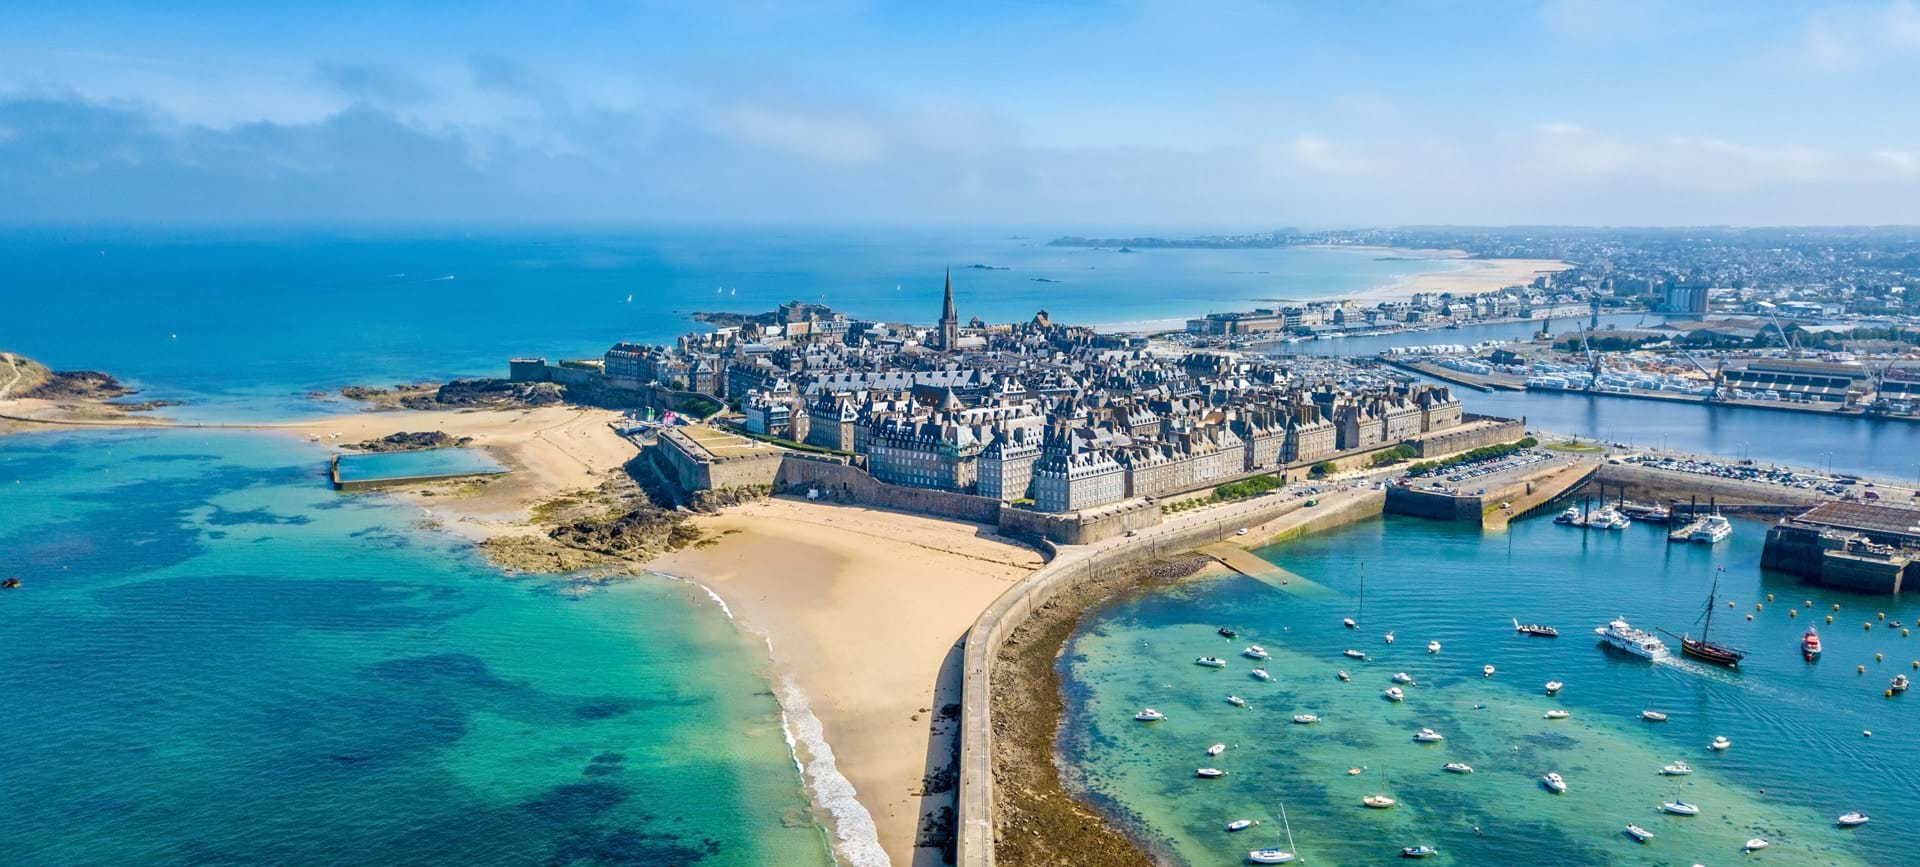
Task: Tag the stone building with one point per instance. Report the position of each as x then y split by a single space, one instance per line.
1069 477
1006 465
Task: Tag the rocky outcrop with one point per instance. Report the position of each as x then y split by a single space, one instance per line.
460 394
636 534
411 441
715 499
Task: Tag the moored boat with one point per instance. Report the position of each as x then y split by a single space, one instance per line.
1555 783
1149 715
1402 677
1241 824
1428 736
1458 768
1853 819
1354 654
1305 719
1680 808
1348 622
1558 714
1899 684
1393 693
1229 632
1343 675
1677 769
1639 833
1261 673
1554 687
1389 638
1486 671
1571 515
1236 701
1755 844
1216 749
1433 647
1653 716
1209 773
1270 856
1720 743
1254 651
1422 851
1211 662
1712 529
1810 645
1378 802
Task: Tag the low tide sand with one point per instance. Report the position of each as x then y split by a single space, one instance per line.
863 610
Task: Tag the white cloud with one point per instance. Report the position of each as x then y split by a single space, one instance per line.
1845 37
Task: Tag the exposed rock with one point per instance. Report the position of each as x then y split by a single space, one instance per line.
638 533
488 394
536 554
715 499
411 441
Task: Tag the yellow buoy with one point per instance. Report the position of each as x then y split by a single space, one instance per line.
1836 606
1903 631
1879 657
1860 669
1868 624
1769 597
1793 612
1829 618
1757 606
1889 693
1883 615
1809 603
1916 663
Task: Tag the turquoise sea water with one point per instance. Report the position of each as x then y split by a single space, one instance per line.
1796 728
215 659
244 323
426 462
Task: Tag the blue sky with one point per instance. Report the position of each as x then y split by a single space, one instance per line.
1095 115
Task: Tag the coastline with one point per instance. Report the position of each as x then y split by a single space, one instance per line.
863 612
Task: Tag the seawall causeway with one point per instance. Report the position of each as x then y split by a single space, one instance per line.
1105 569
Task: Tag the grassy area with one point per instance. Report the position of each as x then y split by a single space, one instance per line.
1577 446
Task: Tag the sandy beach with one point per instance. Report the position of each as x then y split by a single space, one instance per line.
1465 276
863 610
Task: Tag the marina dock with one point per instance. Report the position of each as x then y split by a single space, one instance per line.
1242 561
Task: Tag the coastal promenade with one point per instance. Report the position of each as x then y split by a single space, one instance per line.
1265 517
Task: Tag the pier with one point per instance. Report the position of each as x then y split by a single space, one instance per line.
1242 561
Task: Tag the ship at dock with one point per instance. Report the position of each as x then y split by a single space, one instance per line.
1705 649
1623 636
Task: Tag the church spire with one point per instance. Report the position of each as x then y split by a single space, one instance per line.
949 319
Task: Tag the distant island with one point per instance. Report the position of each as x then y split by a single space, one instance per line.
1257 240
1044 280
978 267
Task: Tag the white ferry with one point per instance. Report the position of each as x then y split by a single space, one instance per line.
1638 642
1713 529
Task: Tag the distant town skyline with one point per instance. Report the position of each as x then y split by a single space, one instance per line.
1076 115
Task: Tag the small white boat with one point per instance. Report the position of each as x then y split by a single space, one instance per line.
1853 819
1305 719
1348 622
1554 687
1270 856
1569 516
1422 851
1720 743
1680 808
1211 662
1356 654
1216 749
1378 802
1254 651
1236 701
1428 736
1241 824
1433 647
1402 677
1393 693
1653 716
1486 671
1149 715
1459 768
1556 713
1262 674
1354 772
1343 675
1389 638
1555 783
1209 773
1677 769
1755 845
1639 833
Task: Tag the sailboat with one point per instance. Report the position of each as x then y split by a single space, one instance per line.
1702 647
1276 855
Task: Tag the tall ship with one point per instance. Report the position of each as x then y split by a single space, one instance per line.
1639 642
1704 648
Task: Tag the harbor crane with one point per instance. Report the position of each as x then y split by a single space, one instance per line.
1714 377
1786 340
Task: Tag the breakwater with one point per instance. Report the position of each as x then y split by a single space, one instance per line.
1071 568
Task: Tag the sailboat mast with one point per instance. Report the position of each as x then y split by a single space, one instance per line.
1363 592
1712 596
1289 826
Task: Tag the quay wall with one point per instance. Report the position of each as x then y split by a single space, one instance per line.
333 475
1470 436
800 472
975 842
1649 485
1082 528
